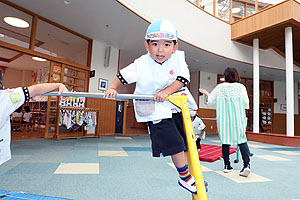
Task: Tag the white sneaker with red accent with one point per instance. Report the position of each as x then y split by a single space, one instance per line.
190 185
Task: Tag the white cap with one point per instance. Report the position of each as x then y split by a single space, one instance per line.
161 29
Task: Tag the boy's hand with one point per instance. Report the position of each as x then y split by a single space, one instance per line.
203 91
110 93
62 88
161 96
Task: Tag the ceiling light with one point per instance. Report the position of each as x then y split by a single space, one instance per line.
39 59
13 21
236 10
67 1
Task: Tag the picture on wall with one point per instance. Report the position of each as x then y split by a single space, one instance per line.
102 84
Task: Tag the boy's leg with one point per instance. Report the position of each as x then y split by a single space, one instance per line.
186 180
246 159
225 152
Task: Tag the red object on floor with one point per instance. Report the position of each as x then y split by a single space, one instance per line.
211 153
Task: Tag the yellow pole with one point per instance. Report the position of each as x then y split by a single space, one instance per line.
192 153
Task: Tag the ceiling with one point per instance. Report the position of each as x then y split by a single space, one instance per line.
111 23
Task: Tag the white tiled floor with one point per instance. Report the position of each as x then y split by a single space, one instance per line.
123 138
291 153
272 158
77 168
112 153
234 176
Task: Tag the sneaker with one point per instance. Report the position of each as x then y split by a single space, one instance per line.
245 171
227 169
190 185
206 185
198 143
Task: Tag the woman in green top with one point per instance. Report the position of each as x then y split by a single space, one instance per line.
232 100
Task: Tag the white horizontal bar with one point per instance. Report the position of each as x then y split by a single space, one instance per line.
99 95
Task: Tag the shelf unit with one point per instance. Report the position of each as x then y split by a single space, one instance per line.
74 79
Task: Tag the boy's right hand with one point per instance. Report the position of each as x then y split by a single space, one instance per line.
112 93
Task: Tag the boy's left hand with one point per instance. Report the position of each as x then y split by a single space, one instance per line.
62 88
161 96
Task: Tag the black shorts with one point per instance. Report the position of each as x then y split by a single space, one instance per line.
168 136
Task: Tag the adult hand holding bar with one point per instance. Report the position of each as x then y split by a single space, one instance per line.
181 102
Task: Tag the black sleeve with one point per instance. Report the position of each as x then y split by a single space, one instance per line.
183 80
26 94
120 77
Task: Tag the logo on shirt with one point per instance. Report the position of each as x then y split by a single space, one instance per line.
172 72
15 97
184 94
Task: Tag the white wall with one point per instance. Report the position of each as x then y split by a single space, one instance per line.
97 64
203 30
208 81
280 95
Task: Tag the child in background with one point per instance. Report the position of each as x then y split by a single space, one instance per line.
232 99
198 127
27 115
17 113
11 99
160 72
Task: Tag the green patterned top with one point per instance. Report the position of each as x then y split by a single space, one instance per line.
231 100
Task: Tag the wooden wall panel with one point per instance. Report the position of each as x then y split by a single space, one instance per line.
261 20
131 121
107 114
279 124
211 124
207 113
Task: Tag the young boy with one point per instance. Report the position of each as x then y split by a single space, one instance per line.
198 128
160 72
10 100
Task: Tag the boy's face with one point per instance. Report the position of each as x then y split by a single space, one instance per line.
161 50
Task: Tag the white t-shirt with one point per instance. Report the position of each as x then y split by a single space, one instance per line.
10 99
27 117
151 77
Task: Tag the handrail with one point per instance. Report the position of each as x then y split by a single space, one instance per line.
99 95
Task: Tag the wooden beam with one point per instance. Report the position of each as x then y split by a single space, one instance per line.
33 32
4 59
42 55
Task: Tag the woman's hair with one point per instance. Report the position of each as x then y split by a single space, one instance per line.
27 109
231 75
19 109
1 83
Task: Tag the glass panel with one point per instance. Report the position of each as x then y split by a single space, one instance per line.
250 10
70 71
57 68
60 43
56 77
80 82
69 80
81 74
223 9
11 34
79 89
208 5
238 9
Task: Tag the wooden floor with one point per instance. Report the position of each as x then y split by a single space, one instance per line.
25 135
38 134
